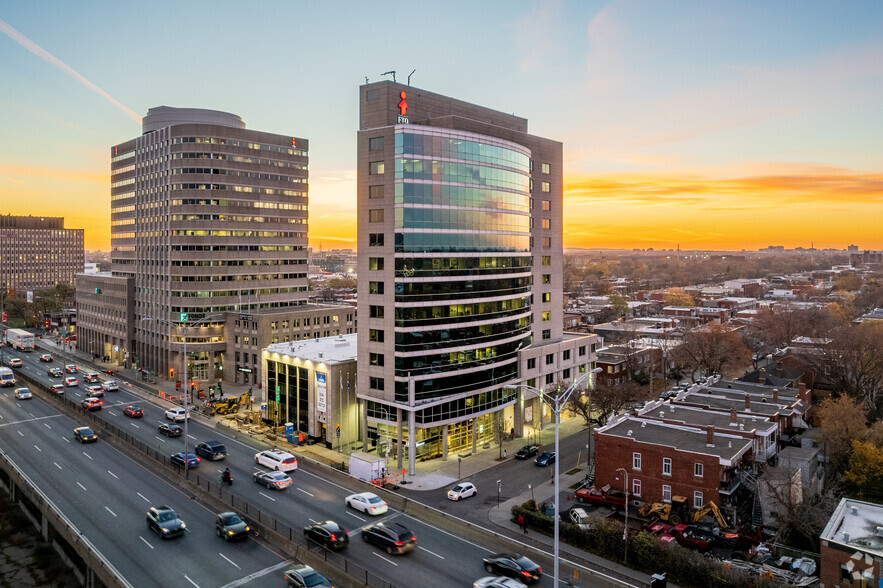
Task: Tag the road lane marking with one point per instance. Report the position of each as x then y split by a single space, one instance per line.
110 511
87 455
47 425
431 552
30 413
20 433
355 515
385 559
81 486
56 465
305 492
191 437
265 496
38 449
191 581
142 496
158 438
66 439
113 474
247 579
51 416
134 425
145 541
228 559
112 413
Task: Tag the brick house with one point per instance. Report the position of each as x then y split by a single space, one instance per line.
852 545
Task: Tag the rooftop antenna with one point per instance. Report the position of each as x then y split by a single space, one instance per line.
366 80
392 71
410 74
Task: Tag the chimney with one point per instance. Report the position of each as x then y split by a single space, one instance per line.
709 436
779 369
747 402
804 394
775 394
761 376
733 418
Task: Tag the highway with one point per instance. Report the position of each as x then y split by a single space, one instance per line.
106 494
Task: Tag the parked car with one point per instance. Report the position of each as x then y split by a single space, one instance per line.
134 412
179 415
111 386
546 458
514 566
462 490
231 527
395 538
190 460
211 450
690 538
272 480
276 460
329 534
85 435
526 452
165 522
23 394
92 404
367 502
55 372
170 430
303 576
46 357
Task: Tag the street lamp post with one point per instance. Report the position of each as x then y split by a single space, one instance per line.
556 404
625 530
184 330
591 456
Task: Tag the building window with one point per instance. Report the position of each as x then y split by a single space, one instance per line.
550 359
666 493
547 205
376 358
566 374
375 192
547 334
547 278
547 169
375 335
375 143
547 297
547 187
547 315
697 499
375 311
666 466
550 378
375 239
375 287
530 185
375 168
565 355
375 215
636 461
547 242
698 469
547 223
547 260
532 363
375 263
582 351
375 383
636 487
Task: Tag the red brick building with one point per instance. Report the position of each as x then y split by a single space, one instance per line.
852 546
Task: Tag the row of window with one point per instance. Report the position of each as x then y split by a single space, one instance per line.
245 144
241 159
698 468
241 203
234 188
236 173
238 218
213 233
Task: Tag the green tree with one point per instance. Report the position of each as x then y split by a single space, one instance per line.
866 468
619 304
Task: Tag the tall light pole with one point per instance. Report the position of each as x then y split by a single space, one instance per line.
556 404
625 530
183 329
590 455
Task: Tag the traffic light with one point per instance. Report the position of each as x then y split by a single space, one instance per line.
338 430
171 373
183 317
4 316
98 290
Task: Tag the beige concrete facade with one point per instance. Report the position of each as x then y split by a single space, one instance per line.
105 316
38 252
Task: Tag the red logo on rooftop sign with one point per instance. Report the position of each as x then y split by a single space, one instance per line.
403 106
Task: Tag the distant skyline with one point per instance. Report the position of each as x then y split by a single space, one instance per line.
713 125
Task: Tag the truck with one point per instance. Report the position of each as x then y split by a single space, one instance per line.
20 339
365 466
605 496
7 377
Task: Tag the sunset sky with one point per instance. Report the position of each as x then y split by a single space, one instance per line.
704 124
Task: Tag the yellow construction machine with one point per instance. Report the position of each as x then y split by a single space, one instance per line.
679 512
230 405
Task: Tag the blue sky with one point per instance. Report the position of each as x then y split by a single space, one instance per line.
681 111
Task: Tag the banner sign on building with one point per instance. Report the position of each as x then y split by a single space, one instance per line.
320 392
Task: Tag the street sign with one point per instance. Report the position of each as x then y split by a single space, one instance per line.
278 392
246 317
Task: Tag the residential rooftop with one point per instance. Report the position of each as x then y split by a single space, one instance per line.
858 525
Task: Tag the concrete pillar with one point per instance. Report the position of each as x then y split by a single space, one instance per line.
412 441
519 414
364 416
444 443
474 435
399 441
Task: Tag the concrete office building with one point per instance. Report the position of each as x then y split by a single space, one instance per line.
460 267
208 217
37 252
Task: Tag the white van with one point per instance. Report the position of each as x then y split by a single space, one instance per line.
7 378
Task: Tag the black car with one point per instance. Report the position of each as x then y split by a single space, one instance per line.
393 537
165 521
229 526
329 534
514 566
85 435
170 430
527 451
211 450
302 576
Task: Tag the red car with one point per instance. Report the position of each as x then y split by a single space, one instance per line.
133 411
611 498
690 538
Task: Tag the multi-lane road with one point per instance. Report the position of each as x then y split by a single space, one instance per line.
107 492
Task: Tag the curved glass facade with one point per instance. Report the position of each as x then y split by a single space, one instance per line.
462 243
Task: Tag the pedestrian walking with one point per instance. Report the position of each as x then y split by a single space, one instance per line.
522 523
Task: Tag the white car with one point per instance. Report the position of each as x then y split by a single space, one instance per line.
111 386
15 362
497 582
95 391
71 381
367 502
177 414
22 393
462 490
280 461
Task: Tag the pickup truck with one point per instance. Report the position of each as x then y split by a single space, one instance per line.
579 517
611 498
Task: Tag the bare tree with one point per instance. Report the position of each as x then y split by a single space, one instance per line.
713 349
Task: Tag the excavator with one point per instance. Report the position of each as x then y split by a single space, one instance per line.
230 405
679 512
